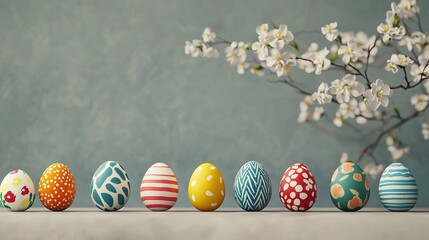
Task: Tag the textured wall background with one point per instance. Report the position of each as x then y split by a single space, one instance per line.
83 82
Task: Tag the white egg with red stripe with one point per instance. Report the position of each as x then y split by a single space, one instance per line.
159 189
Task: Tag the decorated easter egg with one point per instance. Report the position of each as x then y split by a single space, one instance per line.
252 187
110 187
17 192
206 188
57 188
298 190
159 189
397 188
349 187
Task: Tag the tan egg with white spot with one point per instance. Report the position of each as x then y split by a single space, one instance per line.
206 189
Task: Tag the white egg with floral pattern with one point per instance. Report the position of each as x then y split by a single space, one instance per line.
17 192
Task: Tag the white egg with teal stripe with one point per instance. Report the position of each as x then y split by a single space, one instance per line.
110 187
398 189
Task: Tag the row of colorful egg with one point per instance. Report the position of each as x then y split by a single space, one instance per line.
110 188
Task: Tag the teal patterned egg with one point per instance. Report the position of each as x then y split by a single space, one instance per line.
252 187
398 188
110 187
349 187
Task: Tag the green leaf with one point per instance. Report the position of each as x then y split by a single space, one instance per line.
31 200
396 20
295 46
333 56
398 114
339 41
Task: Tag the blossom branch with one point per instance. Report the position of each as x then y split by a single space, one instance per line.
352 52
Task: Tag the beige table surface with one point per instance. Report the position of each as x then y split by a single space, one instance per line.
133 223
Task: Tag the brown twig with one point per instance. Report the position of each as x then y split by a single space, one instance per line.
368 83
409 85
370 147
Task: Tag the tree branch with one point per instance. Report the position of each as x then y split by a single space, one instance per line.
370 147
367 59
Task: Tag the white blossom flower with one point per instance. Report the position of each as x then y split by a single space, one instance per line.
420 101
344 157
377 95
313 60
234 54
281 63
385 30
389 29
400 60
318 112
350 52
347 37
310 54
330 31
362 40
303 117
419 72
417 40
397 153
208 35
425 131
350 109
334 50
321 62
260 47
339 119
395 149
407 8
241 66
406 41
194 48
391 67
374 170
364 113
243 47
397 32
277 38
390 15
426 86
304 105
364 43
257 70
210 52
322 95
346 87
262 30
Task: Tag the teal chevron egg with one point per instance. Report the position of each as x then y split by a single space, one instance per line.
110 187
398 188
252 187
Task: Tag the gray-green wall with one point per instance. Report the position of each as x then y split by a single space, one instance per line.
83 82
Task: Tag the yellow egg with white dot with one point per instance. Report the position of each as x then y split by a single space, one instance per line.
206 189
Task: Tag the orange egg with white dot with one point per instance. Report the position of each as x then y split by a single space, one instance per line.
57 188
